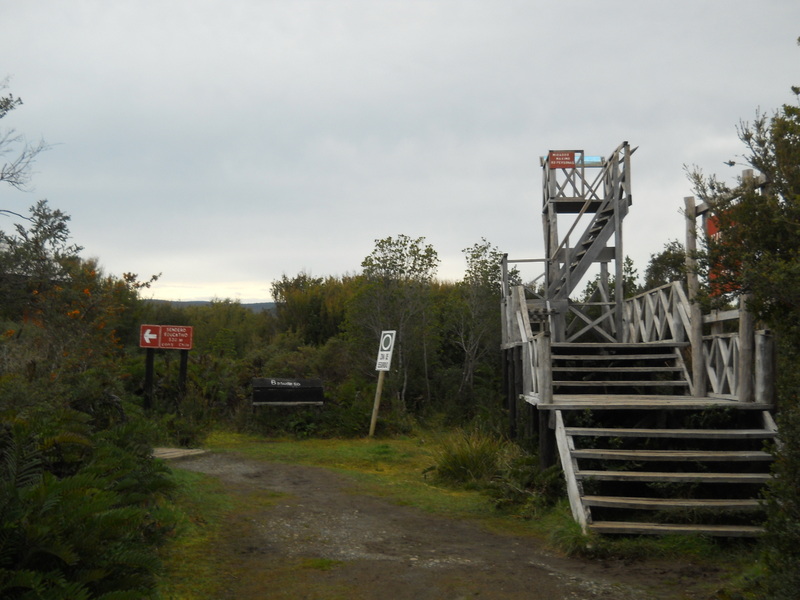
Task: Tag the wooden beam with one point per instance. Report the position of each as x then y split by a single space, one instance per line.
569 466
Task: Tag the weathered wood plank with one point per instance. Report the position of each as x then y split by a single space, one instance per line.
625 383
617 369
673 455
171 453
672 433
665 529
612 357
671 503
568 465
623 346
646 402
674 477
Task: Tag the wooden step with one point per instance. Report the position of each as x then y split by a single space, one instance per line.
650 476
673 455
665 529
618 369
671 503
612 357
623 383
644 402
616 346
708 434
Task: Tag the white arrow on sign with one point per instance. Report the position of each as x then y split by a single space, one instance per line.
148 336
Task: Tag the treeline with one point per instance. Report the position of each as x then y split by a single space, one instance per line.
447 354
68 326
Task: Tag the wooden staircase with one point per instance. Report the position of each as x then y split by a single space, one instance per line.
597 234
642 456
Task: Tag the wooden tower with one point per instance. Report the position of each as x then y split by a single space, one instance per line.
590 195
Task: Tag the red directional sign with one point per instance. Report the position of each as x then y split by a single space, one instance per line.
175 337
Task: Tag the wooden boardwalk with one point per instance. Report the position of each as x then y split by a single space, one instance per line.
172 453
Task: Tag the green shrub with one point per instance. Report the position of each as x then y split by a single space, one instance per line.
526 489
81 511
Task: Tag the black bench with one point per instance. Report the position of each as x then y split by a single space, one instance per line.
272 391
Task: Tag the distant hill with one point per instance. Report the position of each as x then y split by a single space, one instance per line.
254 306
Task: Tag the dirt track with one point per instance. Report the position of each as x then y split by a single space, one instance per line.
317 537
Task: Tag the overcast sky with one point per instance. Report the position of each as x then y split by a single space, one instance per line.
225 143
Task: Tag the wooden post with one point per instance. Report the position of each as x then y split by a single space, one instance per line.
765 367
746 350
547 449
619 267
182 372
516 387
148 378
696 314
746 336
377 405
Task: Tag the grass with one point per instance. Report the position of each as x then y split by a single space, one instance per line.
389 468
190 571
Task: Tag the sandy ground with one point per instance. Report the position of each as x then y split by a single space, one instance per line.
315 536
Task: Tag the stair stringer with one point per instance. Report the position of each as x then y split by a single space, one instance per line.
569 465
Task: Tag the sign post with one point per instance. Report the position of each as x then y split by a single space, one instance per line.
382 365
172 337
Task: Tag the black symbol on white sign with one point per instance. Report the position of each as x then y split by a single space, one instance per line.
387 341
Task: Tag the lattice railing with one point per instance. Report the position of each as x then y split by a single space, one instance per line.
535 348
592 322
721 359
660 314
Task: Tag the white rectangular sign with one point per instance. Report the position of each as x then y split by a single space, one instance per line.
385 351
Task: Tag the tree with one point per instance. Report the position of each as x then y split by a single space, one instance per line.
395 294
17 170
473 323
597 291
313 307
667 266
62 314
758 254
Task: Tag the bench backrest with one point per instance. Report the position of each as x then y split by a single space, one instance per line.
277 392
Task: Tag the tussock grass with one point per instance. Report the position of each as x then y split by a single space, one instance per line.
473 457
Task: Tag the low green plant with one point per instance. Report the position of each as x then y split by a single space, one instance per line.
81 511
472 457
526 490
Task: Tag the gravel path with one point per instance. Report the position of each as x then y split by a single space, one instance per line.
310 534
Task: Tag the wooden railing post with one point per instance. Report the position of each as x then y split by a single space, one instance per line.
765 367
746 351
547 442
693 288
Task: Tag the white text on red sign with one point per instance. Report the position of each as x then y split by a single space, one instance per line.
174 337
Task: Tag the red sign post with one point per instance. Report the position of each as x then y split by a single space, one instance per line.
170 337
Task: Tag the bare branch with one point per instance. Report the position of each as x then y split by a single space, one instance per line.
18 171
